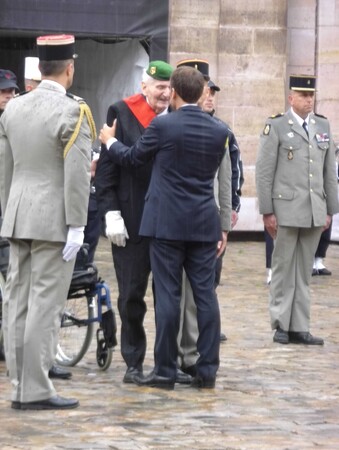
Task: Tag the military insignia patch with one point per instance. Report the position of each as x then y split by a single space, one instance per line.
153 70
267 129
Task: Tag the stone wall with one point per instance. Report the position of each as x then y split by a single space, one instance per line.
252 48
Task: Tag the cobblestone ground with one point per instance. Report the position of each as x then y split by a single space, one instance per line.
267 396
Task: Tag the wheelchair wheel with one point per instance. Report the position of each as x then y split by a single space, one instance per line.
2 290
76 330
104 353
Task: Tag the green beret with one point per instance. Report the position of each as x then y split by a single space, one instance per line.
159 70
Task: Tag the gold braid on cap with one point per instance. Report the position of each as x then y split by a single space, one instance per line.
84 110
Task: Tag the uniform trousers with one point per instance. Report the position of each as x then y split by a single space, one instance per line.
168 258
188 329
292 263
132 268
37 285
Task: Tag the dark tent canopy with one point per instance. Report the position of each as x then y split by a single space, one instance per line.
115 39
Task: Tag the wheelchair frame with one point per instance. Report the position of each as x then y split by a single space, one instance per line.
86 304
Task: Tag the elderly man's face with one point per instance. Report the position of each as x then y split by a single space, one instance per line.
5 96
157 93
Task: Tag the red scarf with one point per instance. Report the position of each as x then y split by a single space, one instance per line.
140 109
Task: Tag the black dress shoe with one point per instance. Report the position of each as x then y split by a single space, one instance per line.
55 402
223 337
58 372
314 272
183 378
154 380
304 337
324 271
16 405
131 372
190 370
201 383
281 336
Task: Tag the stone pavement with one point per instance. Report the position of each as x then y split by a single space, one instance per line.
267 396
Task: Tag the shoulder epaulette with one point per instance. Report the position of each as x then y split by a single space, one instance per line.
21 93
84 111
277 115
75 97
319 115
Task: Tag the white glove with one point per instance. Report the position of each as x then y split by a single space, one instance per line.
75 239
115 228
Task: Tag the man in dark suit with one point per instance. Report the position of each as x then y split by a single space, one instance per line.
120 196
181 218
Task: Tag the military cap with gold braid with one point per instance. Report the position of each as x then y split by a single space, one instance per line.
159 70
199 64
302 83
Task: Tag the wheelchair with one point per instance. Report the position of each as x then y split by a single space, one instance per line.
88 303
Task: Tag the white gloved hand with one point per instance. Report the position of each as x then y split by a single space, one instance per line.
115 228
75 239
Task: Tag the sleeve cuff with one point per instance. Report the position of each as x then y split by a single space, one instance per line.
110 142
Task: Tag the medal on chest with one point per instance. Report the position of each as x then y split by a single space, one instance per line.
290 155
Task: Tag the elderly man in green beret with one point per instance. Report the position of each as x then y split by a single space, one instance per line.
120 195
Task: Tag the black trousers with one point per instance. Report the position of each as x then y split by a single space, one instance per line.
168 258
324 243
132 268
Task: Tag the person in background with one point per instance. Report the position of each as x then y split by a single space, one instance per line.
32 73
188 332
8 86
318 264
187 147
121 195
269 245
297 192
44 185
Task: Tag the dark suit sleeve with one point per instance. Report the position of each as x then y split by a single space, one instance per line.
237 171
107 176
141 152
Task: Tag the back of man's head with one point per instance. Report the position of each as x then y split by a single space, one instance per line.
188 83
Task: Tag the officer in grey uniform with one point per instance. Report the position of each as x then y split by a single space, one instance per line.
297 192
45 147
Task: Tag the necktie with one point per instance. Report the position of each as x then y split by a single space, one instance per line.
305 127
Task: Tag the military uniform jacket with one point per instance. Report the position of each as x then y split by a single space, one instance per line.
123 188
295 174
43 190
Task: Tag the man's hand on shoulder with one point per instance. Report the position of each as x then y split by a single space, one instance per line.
107 133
